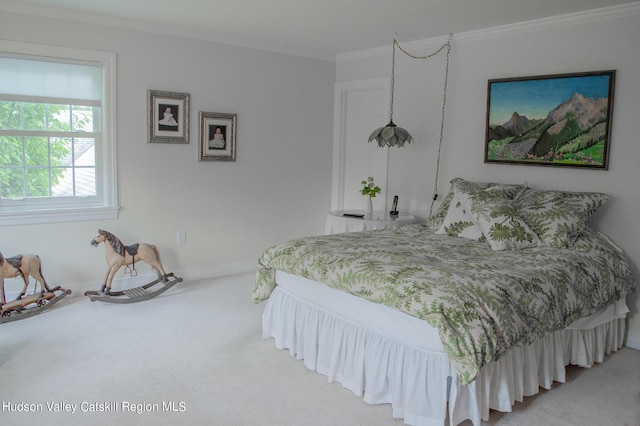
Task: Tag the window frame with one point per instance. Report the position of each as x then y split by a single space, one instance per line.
106 206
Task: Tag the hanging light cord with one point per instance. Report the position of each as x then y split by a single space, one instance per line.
393 78
447 45
444 103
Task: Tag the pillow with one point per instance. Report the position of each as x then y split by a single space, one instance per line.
437 218
509 190
458 222
558 217
492 210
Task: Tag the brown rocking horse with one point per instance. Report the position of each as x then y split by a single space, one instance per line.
119 255
22 265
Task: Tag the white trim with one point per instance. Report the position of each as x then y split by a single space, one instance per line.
191 274
106 156
153 28
56 52
543 24
110 143
45 100
33 217
341 90
218 271
633 340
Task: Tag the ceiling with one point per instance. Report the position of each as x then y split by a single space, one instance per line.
312 28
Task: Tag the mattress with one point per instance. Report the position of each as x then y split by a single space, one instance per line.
387 356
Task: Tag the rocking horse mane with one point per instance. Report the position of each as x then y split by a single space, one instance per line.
114 241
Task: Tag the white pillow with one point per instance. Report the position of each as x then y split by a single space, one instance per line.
459 223
492 210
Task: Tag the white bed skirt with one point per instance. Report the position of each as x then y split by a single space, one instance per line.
353 342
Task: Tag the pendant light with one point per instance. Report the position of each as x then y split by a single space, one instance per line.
391 135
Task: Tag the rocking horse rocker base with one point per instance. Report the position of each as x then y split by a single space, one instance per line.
21 308
136 294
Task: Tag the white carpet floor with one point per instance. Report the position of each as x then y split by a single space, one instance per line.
194 356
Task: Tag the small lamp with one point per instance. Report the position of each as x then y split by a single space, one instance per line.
391 135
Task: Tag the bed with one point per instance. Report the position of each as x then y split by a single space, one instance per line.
483 305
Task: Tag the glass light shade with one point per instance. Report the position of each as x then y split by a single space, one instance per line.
391 135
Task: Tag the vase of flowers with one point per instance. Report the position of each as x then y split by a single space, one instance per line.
370 190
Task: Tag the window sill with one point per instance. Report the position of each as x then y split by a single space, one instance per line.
58 215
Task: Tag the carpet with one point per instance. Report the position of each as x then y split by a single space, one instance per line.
194 355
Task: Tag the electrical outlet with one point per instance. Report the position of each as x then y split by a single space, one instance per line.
181 237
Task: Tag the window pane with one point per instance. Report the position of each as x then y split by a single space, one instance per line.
59 117
25 160
63 185
33 116
38 116
60 152
85 181
84 152
11 151
37 151
10 116
82 119
37 181
11 183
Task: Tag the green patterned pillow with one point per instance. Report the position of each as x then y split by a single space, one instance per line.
458 222
437 218
509 190
492 210
558 217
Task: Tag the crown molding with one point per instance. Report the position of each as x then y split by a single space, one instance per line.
543 24
13 6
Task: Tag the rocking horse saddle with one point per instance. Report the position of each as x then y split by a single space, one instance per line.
15 261
132 249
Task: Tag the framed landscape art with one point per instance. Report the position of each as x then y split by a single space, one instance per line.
551 120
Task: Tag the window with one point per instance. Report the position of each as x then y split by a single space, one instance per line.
57 134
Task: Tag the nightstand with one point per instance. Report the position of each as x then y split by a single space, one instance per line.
338 223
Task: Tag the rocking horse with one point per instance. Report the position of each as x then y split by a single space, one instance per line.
26 266
118 255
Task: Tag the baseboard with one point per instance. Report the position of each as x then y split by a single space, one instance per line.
122 281
217 271
633 340
195 273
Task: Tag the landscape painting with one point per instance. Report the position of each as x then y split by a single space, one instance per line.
552 120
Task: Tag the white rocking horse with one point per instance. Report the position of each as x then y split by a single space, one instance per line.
26 266
118 255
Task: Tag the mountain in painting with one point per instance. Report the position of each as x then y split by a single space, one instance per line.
573 126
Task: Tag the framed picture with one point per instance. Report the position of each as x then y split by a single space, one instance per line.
217 136
168 117
550 120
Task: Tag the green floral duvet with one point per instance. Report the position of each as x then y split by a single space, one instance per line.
483 302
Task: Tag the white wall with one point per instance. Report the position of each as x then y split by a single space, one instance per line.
606 41
278 188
